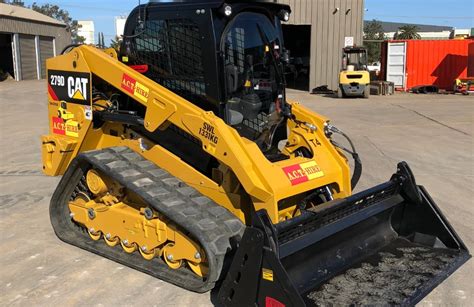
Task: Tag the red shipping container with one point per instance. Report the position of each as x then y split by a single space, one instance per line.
470 61
435 62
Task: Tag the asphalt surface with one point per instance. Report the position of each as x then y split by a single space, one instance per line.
433 133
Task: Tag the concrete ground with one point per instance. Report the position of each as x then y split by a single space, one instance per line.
433 133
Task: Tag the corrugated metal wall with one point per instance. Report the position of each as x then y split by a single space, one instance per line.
470 60
14 25
329 27
433 62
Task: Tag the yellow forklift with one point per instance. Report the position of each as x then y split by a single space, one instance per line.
354 78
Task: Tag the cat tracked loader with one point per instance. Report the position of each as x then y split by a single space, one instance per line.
181 157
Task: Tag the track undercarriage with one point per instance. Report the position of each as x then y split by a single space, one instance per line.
89 206
120 217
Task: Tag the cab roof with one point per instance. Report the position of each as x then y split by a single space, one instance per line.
214 3
354 49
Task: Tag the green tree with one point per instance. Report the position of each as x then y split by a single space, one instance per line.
100 41
407 32
56 12
373 37
115 43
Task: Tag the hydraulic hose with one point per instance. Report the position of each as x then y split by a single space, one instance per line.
69 47
353 152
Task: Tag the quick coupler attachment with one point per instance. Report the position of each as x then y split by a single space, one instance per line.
388 245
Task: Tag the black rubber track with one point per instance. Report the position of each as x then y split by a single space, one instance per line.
214 227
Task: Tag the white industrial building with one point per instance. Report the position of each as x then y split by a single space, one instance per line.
120 25
87 31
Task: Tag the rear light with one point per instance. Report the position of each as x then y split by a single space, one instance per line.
271 302
140 68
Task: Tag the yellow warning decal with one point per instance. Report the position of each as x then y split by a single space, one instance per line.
267 274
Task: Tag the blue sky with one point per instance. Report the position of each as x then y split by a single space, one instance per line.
455 13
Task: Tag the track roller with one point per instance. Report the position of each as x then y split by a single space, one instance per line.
168 257
148 255
128 247
95 235
111 241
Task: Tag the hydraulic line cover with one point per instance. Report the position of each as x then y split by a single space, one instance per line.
387 245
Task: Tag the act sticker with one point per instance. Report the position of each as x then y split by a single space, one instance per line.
303 172
135 88
73 87
68 128
58 126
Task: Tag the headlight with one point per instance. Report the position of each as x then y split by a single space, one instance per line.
226 10
284 15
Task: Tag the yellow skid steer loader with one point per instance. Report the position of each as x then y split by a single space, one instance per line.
181 157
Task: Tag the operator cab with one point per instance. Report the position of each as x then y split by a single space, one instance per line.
223 57
354 59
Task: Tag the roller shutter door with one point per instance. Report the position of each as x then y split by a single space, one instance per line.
27 57
46 52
